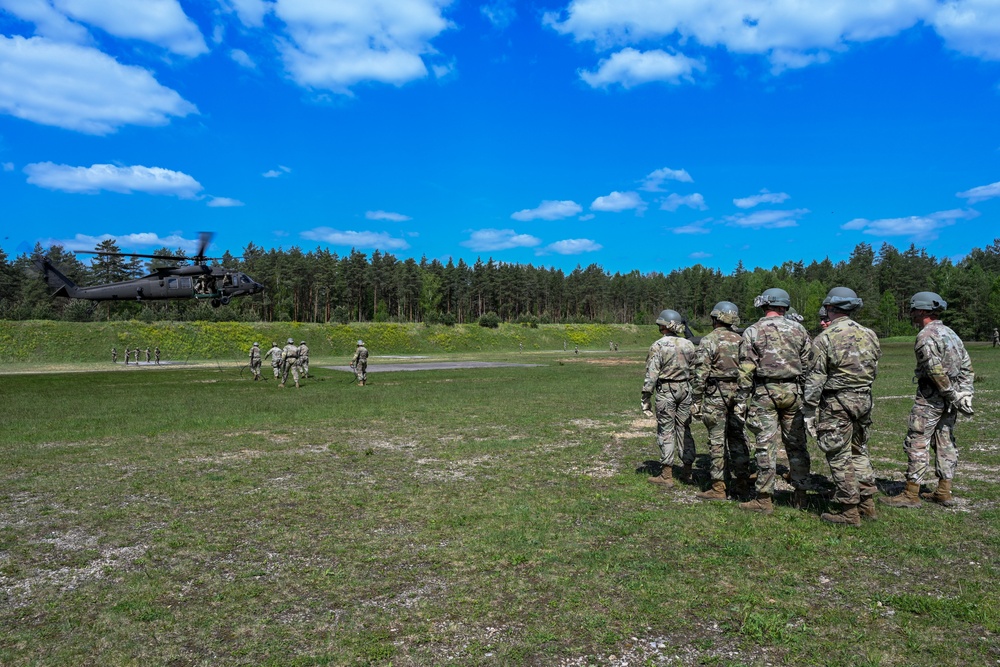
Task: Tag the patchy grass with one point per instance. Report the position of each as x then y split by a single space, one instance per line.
491 516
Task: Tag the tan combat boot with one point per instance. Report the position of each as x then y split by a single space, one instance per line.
717 492
910 497
762 503
867 508
666 476
281 386
847 516
940 495
799 500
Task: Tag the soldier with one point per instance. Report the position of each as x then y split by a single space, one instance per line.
127 352
944 388
576 350
838 405
255 361
156 354
290 362
996 336
774 354
304 358
824 317
147 354
359 363
275 354
715 399
114 355
668 375
611 346
520 347
135 355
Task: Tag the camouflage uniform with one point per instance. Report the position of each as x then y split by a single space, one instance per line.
668 374
147 355
774 353
255 361
275 354
839 390
996 337
714 385
304 358
943 368
359 362
156 355
114 355
135 355
127 352
290 362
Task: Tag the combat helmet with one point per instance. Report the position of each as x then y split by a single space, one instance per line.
302 342
773 297
668 316
256 344
929 301
843 298
291 341
360 343
794 316
726 312
823 314
274 344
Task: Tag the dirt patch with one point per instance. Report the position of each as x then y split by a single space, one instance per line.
615 361
432 366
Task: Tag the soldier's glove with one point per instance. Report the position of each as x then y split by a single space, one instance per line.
809 417
963 402
646 404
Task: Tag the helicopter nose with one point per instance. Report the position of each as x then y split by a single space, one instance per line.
257 288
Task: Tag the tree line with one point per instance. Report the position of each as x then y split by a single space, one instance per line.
322 286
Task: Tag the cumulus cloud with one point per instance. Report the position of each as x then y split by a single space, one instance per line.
250 12
334 45
240 57
160 22
699 254
770 219
630 68
693 228
8 166
48 21
79 88
619 201
387 215
126 180
488 240
354 239
500 13
140 241
764 197
654 181
675 201
224 202
275 173
570 247
971 27
917 227
548 210
981 193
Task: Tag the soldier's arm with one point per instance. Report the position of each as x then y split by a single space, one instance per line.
966 376
703 356
818 373
930 359
748 359
653 365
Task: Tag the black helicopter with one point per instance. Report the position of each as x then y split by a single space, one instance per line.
195 281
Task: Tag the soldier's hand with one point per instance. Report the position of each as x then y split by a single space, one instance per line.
646 405
963 402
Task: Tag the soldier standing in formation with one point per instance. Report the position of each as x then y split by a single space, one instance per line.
944 388
156 354
359 363
838 405
127 352
668 374
290 362
774 354
114 355
304 358
716 401
275 354
255 361
135 355
148 355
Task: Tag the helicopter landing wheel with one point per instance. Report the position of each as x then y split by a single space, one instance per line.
225 300
216 303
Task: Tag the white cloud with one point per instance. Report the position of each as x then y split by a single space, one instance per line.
334 45
8 166
140 240
353 239
487 240
917 227
764 197
619 201
654 181
698 254
126 180
500 13
981 193
570 247
770 219
631 68
47 20
250 12
549 210
675 201
240 57
160 22
971 27
387 215
224 202
275 173
80 88
693 228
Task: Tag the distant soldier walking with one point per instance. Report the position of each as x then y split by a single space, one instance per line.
255 361
944 388
275 354
290 362
838 405
304 358
774 354
716 401
667 387
359 363
996 336
114 355
127 352
156 354
148 355
135 355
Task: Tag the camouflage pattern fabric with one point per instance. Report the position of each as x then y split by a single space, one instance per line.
774 353
290 362
669 365
943 367
255 362
714 386
838 387
156 355
275 354
304 359
360 363
114 355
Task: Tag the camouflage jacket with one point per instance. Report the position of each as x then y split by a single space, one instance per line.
361 354
717 358
275 354
670 359
774 348
254 353
290 352
942 359
845 356
303 351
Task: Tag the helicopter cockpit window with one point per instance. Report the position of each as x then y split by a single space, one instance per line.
228 280
245 279
186 282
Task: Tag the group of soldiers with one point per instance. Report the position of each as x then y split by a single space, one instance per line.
772 381
135 354
294 359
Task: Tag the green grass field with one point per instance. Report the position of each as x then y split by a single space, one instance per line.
188 516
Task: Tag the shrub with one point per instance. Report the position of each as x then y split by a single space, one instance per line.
489 320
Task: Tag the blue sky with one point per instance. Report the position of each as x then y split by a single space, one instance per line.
635 134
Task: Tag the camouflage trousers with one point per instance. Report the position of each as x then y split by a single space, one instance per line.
255 367
290 365
361 370
304 365
673 422
931 426
774 416
722 413
842 424
277 370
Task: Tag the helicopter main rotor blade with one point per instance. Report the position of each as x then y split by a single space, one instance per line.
204 238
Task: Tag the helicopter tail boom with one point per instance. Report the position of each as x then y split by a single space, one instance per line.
62 285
